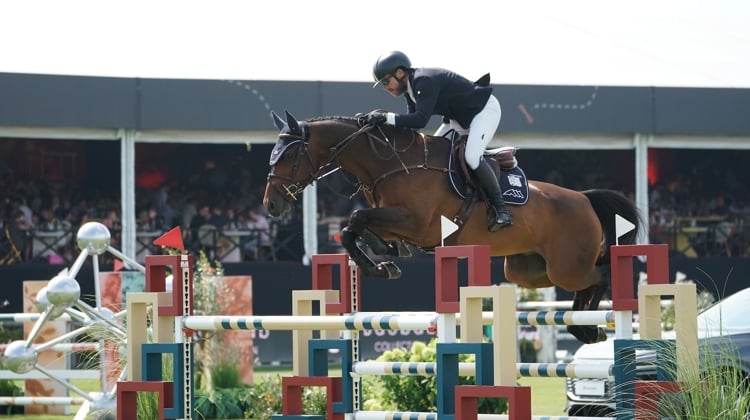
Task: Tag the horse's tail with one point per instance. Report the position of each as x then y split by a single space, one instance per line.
607 204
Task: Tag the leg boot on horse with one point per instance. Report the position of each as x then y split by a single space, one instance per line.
499 217
385 269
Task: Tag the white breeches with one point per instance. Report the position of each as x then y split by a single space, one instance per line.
481 130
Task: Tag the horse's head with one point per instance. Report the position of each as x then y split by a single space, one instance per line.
301 154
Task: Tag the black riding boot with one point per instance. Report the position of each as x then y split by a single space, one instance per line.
498 217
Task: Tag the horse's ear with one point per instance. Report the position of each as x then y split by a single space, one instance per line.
277 121
293 124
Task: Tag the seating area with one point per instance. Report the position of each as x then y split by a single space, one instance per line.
701 209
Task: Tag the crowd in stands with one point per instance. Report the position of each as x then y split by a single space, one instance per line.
712 204
713 221
31 208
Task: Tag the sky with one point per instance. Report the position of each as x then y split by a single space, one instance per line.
685 43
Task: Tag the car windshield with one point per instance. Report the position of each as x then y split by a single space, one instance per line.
726 316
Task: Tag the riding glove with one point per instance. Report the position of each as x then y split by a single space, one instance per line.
376 117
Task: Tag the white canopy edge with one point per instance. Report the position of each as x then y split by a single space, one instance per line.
547 141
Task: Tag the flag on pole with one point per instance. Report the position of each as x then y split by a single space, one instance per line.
171 239
622 226
447 227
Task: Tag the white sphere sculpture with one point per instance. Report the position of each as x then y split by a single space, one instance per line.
63 290
94 236
20 359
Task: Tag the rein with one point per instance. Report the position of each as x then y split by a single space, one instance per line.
404 167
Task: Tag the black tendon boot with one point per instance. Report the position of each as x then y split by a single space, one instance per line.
498 217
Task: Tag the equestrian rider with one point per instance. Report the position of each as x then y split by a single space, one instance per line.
466 107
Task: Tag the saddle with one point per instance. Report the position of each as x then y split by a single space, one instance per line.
502 160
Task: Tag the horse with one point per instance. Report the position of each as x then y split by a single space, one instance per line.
559 237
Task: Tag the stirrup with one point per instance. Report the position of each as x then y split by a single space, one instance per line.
499 220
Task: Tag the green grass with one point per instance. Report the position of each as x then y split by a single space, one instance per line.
547 394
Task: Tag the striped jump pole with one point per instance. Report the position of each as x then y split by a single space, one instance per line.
413 415
557 318
561 317
547 370
65 347
371 321
333 322
48 401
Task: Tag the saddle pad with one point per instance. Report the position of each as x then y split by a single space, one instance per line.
513 183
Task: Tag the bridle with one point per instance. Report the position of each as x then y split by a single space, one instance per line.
290 189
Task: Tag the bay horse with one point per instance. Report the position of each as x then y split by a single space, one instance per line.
559 237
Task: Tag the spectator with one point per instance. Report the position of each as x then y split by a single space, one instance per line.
154 222
48 221
189 210
231 220
200 219
20 233
258 222
112 221
218 218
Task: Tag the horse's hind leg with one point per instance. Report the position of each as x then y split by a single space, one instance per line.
588 300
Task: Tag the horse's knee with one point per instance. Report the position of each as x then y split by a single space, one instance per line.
358 220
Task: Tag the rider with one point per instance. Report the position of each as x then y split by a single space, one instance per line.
466 107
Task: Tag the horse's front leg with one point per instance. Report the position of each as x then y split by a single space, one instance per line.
385 219
382 247
386 269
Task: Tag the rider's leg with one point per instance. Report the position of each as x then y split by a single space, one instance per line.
481 131
448 126
499 216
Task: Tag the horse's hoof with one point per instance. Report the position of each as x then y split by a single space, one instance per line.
390 269
602 335
587 334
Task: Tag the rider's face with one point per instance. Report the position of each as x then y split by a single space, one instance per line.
396 83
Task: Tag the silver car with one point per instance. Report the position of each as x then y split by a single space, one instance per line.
725 321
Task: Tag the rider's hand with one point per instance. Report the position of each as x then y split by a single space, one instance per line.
376 117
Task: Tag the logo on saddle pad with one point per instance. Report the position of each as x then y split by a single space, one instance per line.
514 186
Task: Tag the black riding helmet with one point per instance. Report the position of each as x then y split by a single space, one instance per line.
388 63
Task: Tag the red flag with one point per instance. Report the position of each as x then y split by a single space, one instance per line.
171 239
118 265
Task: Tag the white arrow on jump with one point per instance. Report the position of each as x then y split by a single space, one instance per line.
622 226
447 227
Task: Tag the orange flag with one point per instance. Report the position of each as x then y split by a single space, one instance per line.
171 239
118 265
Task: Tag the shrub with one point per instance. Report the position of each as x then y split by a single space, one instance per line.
219 403
263 399
225 375
720 390
417 393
